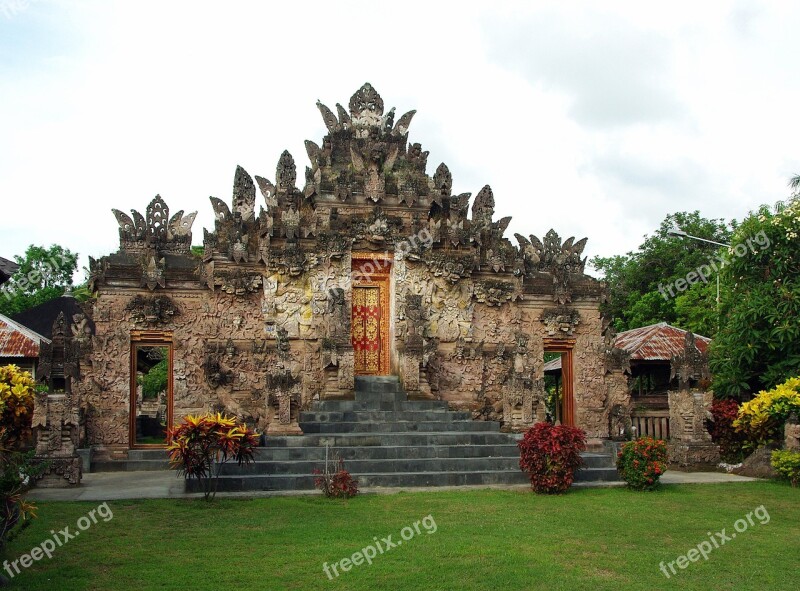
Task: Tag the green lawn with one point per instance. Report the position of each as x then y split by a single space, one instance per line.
485 539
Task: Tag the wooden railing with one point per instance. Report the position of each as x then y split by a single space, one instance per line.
650 423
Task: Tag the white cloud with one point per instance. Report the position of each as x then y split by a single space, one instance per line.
597 121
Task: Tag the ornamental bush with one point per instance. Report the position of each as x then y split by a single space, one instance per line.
762 418
18 471
731 441
550 454
787 464
17 388
642 462
337 483
200 445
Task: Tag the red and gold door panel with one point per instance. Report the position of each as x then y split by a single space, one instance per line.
367 330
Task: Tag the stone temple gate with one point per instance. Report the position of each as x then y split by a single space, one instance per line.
365 266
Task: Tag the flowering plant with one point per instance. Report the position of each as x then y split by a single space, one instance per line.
642 462
18 471
16 404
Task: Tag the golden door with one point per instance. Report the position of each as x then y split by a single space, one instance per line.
366 334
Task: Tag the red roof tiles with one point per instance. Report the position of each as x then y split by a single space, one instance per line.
657 342
17 340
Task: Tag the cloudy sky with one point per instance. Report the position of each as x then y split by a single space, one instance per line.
594 120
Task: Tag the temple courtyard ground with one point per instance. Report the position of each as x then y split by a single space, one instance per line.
737 535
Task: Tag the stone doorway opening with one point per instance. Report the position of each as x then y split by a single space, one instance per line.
559 386
370 319
151 393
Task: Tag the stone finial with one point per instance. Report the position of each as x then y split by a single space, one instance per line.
157 230
244 194
366 100
286 173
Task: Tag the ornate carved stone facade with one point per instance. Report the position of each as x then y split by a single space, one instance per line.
260 324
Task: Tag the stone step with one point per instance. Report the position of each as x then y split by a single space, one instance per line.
370 397
358 405
401 427
391 439
147 454
130 465
598 460
381 452
377 383
383 416
597 475
381 466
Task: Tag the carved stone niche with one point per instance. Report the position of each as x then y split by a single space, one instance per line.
619 423
561 320
153 273
690 366
614 358
238 282
283 403
216 365
690 443
152 311
495 293
522 401
337 321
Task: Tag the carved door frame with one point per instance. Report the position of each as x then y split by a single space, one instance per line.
566 347
369 269
148 338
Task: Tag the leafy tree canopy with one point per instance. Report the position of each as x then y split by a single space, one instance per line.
43 274
659 282
758 345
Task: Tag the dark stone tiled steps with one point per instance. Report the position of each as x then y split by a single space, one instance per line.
386 440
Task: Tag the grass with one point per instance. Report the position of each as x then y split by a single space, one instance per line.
591 539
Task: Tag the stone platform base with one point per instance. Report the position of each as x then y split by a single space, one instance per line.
61 473
694 455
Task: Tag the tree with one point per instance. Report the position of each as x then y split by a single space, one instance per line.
43 275
659 283
155 381
758 344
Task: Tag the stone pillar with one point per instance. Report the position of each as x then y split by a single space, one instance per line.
791 433
56 421
690 443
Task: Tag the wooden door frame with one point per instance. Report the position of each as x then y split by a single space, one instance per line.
378 275
566 348
149 338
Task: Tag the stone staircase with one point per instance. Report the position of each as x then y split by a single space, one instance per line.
386 440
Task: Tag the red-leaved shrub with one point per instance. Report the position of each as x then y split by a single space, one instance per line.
338 483
550 455
730 440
